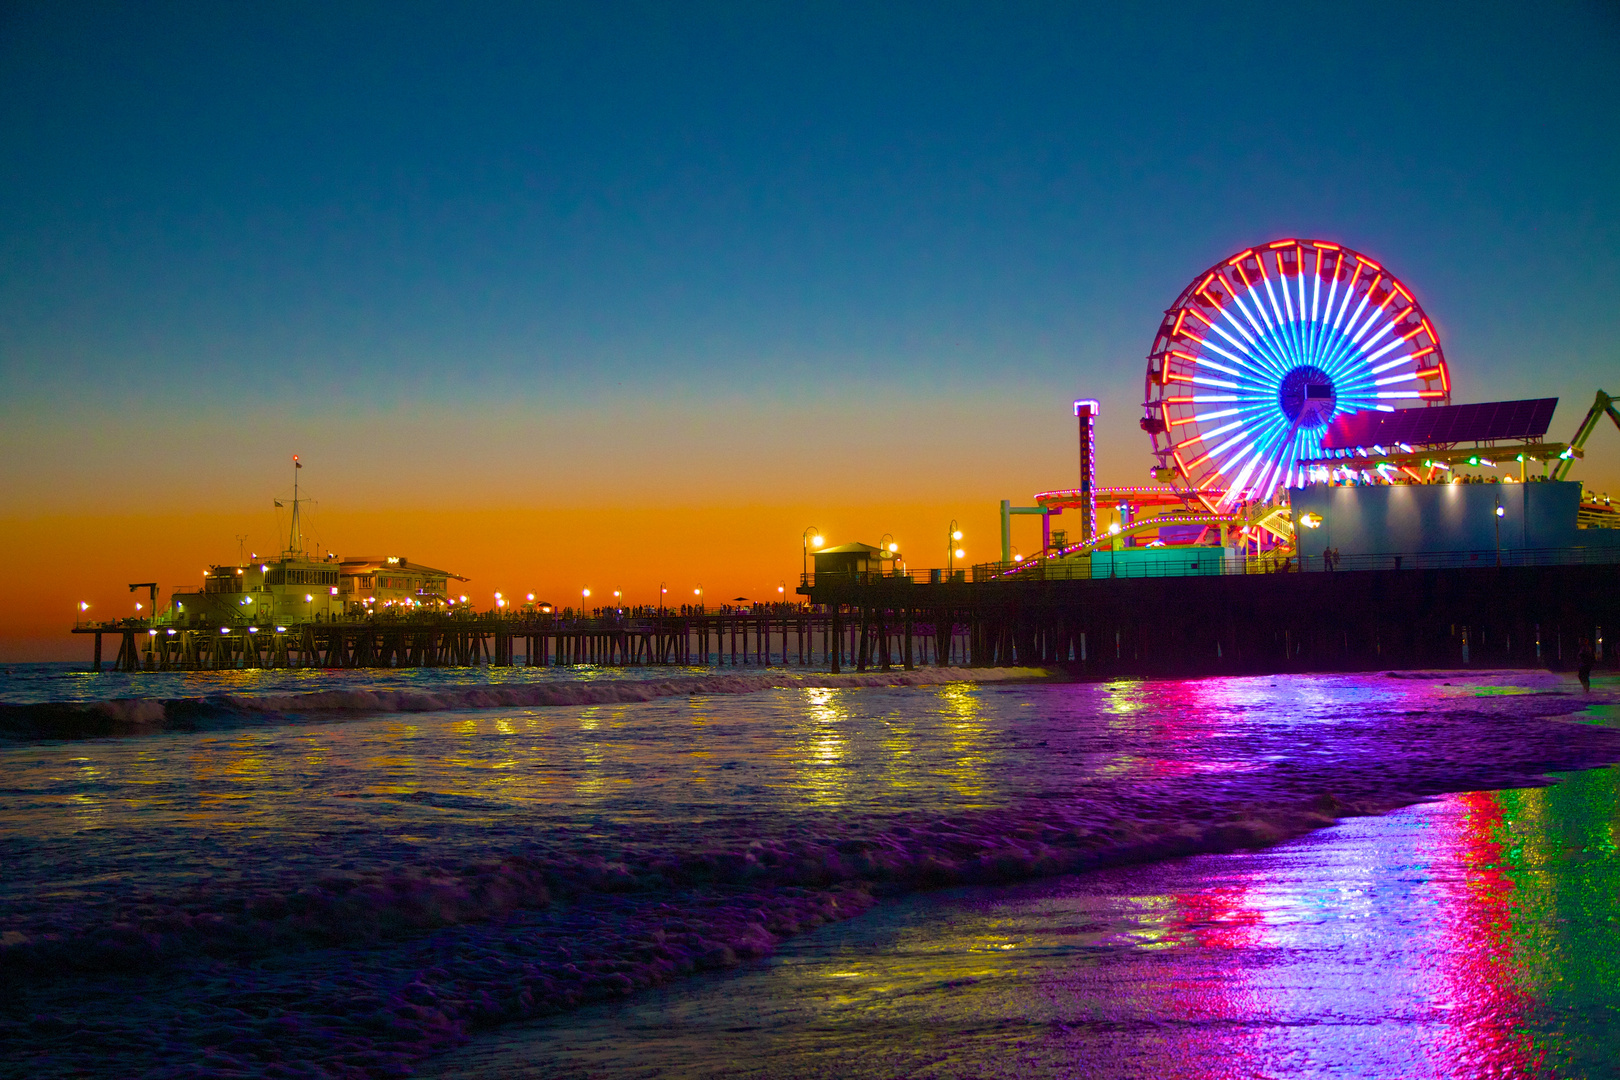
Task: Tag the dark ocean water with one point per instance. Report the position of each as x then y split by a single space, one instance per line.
344 875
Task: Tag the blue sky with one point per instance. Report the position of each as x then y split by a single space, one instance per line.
407 233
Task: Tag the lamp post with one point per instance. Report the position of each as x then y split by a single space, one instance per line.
952 552
1500 512
662 592
812 538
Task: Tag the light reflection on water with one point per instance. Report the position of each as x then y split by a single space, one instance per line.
1465 938
486 780
1457 926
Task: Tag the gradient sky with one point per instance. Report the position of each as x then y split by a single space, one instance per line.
556 294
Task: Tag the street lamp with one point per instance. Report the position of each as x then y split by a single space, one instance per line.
812 538
698 592
1500 513
662 592
952 552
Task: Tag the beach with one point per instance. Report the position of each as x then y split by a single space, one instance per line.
355 877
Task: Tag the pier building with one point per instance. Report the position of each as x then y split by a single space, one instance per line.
291 588
393 582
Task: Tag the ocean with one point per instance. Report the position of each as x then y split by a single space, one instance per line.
350 874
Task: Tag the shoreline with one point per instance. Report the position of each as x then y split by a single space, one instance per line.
398 957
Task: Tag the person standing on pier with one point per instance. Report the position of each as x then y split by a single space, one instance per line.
1584 661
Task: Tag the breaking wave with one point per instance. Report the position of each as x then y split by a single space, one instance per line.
138 716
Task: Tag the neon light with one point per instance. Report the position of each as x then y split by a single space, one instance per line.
1218 431
1397 362
1431 395
1262 338
1204 380
1194 464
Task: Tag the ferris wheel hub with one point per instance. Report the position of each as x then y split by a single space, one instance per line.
1307 397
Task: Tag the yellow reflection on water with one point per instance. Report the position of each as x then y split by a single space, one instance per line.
590 780
964 719
820 750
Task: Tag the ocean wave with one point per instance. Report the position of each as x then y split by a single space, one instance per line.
365 972
137 716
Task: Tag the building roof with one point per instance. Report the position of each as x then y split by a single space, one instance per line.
848 549
1441 424
367 563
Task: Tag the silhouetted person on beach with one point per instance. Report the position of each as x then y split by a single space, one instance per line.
1583 661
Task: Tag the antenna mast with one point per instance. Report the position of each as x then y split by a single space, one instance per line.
295 539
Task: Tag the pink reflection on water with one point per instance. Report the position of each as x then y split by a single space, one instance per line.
1477 978
1383 944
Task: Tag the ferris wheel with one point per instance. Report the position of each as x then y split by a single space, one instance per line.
1262 350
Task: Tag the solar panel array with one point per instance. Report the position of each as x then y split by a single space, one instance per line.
1439 424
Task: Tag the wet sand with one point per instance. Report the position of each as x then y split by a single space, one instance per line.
1471 936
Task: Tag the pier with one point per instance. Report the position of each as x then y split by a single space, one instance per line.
787 635
1386 613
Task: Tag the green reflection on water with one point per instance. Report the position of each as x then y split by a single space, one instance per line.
1559 850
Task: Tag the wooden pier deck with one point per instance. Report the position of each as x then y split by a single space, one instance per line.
789 636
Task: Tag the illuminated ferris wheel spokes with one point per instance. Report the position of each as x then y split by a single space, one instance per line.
1259 353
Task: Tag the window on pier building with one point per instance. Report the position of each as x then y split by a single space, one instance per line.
301 577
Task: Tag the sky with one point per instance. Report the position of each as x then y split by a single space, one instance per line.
558 296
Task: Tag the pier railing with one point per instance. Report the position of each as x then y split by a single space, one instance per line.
1182 563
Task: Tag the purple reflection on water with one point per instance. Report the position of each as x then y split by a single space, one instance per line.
1384 947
